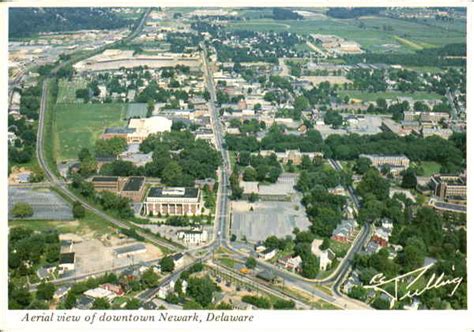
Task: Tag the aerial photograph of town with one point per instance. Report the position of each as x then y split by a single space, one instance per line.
240 158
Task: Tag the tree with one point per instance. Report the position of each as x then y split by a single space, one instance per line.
201 289
310 266
149 278
45 291
22 210
110 147
333 118
101 303
150 108
362 165
253 197
167 264
70 301
283 304
78 211
409 179
251 262
172 173
133 304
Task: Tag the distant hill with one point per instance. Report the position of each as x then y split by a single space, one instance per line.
25 22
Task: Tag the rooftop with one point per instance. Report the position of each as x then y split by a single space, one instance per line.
67 258
119 130
130 248
134 183
173 192
105 179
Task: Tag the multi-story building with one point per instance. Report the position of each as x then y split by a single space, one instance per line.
449 187
182 201
134 188
397 163
107 183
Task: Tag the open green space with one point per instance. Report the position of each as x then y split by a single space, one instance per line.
67 90
90 223
373 96
375 34
78 126
430 167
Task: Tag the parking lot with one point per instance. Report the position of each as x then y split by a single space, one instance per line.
267 218
46 204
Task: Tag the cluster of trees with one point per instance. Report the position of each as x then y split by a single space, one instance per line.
346 13
29 21
110 147
160 95
22 210
333 118
448 55
246 127
109 201
260 168
427 234
368 80
277 140
415 148
27 250
179 159
285 14
23 148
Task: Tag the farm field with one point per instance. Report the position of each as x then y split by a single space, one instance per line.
375 34
67 90
78 126
373 96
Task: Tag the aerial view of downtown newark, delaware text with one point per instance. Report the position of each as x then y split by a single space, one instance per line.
237 158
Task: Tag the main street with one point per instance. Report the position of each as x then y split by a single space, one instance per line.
223 219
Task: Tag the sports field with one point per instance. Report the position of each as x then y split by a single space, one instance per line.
78 126
373 96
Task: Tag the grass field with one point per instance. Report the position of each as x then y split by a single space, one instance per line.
430 167
90 223
67 90
373 96
78 126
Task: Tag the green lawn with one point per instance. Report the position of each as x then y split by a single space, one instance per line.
67 90
430 167
373 96
78 126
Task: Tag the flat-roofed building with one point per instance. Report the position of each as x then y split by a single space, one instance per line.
397 163
145 127
451 188
133 249
107 183
117 132
134 188
181 201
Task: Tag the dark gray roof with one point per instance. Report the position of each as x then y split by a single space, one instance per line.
130 248
158 192
134 183
105 179
266 275
119 130
67 258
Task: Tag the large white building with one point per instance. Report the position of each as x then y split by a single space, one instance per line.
181 201
148 126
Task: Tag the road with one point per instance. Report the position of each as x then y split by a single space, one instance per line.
60 185
223 217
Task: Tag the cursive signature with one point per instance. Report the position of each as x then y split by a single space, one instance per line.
434 282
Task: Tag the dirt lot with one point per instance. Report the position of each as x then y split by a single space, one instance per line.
94 255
